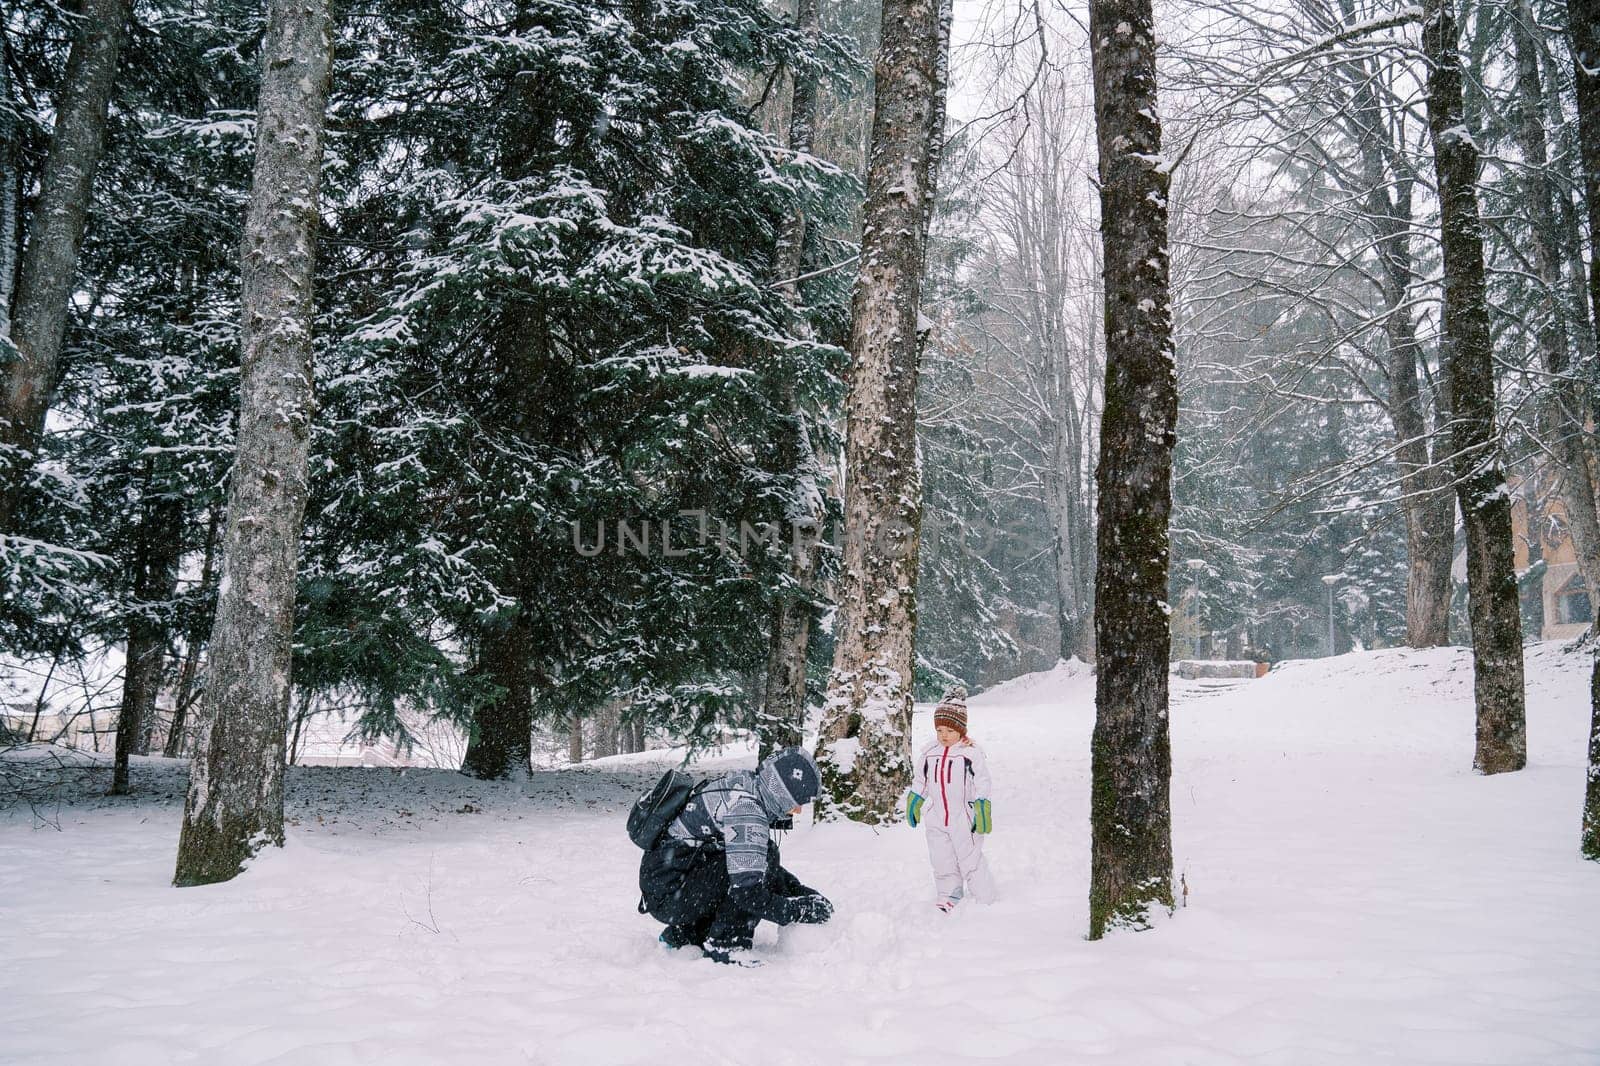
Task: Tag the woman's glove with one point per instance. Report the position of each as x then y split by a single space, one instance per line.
982 818
913 810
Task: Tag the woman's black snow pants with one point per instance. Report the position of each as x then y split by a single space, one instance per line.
686 887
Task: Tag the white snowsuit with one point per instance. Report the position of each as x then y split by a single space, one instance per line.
950 780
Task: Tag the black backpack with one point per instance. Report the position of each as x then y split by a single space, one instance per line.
655 810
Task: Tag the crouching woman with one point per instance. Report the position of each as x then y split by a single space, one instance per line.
715 875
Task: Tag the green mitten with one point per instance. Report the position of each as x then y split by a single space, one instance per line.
982 817
913 810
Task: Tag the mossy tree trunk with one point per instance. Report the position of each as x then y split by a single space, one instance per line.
235 801
864 750
1130 806
1469 357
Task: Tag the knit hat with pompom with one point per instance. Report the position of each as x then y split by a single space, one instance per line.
952 710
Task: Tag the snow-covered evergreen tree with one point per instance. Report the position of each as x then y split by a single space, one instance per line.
556 412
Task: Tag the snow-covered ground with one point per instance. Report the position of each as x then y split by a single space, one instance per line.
1356 895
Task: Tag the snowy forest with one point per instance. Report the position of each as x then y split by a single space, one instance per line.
558 392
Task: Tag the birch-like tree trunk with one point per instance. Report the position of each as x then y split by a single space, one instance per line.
55 234
154 580
1130 807
1469 358
501 744
865 745
782 717
235 801
1565 409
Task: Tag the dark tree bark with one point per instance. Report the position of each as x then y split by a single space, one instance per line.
1130 808
55 233
783 704
154 581
235 801
865 746
501 744
1480 481
1591 792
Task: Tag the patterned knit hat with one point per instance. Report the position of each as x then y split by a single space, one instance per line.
788 779
952 710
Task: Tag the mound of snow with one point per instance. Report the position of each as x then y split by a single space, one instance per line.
1062 681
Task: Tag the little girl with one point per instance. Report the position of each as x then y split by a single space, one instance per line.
951 794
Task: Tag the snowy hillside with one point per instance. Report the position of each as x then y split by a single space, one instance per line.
1355 895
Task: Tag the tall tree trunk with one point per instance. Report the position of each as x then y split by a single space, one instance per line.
55 233
1480 481
1583 39
865 746
154 581
1590 845
575 739
1567 168
10 204
235 801
607 726
1427 503
782 716
1428 506
1583 27
302 715
1130 807
501 744
1565 408
190 671
1531 591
